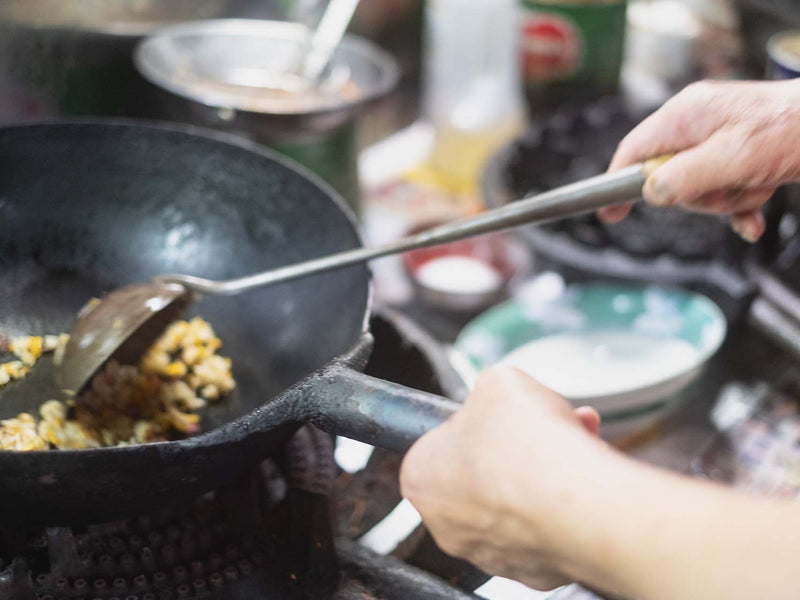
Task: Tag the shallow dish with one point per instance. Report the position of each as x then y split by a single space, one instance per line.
626 350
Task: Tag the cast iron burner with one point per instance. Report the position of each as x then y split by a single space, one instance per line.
578 142
268 536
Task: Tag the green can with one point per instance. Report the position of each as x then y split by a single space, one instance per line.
571 50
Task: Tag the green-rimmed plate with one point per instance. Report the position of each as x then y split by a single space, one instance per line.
626 350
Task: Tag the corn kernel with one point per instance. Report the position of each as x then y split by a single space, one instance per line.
176 369
36 345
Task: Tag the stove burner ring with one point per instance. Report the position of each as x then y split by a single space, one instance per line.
222 540
578 142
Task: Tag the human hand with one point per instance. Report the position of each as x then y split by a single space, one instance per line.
491 481
517 484
735 143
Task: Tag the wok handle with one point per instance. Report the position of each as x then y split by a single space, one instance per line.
374 411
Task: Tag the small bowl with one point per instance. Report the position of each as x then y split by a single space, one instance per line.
631 332
468 275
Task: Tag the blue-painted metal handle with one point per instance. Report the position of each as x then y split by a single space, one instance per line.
374 411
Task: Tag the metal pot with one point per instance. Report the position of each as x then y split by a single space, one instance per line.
73 57
207 74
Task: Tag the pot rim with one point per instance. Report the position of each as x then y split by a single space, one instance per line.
133 28
386 66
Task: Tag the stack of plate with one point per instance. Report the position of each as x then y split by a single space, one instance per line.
625 350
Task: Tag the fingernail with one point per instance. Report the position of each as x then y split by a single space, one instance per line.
745 231
656 193
749 236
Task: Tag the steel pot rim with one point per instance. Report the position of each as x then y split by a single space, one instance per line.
381 61
131 28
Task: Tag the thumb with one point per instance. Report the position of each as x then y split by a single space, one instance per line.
716 164
749 224
589 419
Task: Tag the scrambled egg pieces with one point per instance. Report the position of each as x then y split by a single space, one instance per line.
28 348
125 404
21 434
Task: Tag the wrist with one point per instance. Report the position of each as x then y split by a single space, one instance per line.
575 508
626 524
790 129
589 543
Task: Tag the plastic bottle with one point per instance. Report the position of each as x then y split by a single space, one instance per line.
473 92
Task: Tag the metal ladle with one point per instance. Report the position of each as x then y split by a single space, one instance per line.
325 40
146 309
307 72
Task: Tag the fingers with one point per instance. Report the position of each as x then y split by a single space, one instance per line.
731 202
711 166
684 121
652 137
614 214
544 582
744 206
418 472
503 398
589 418
749 225
512 389
726 136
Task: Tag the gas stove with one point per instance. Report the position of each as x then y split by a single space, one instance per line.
267 536
270 535
271 529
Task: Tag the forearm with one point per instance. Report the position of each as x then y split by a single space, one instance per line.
646 534
523 490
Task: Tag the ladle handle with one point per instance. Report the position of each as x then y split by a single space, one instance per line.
377 412
326 38
578 198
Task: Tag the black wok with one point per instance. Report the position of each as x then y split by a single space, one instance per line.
86 207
